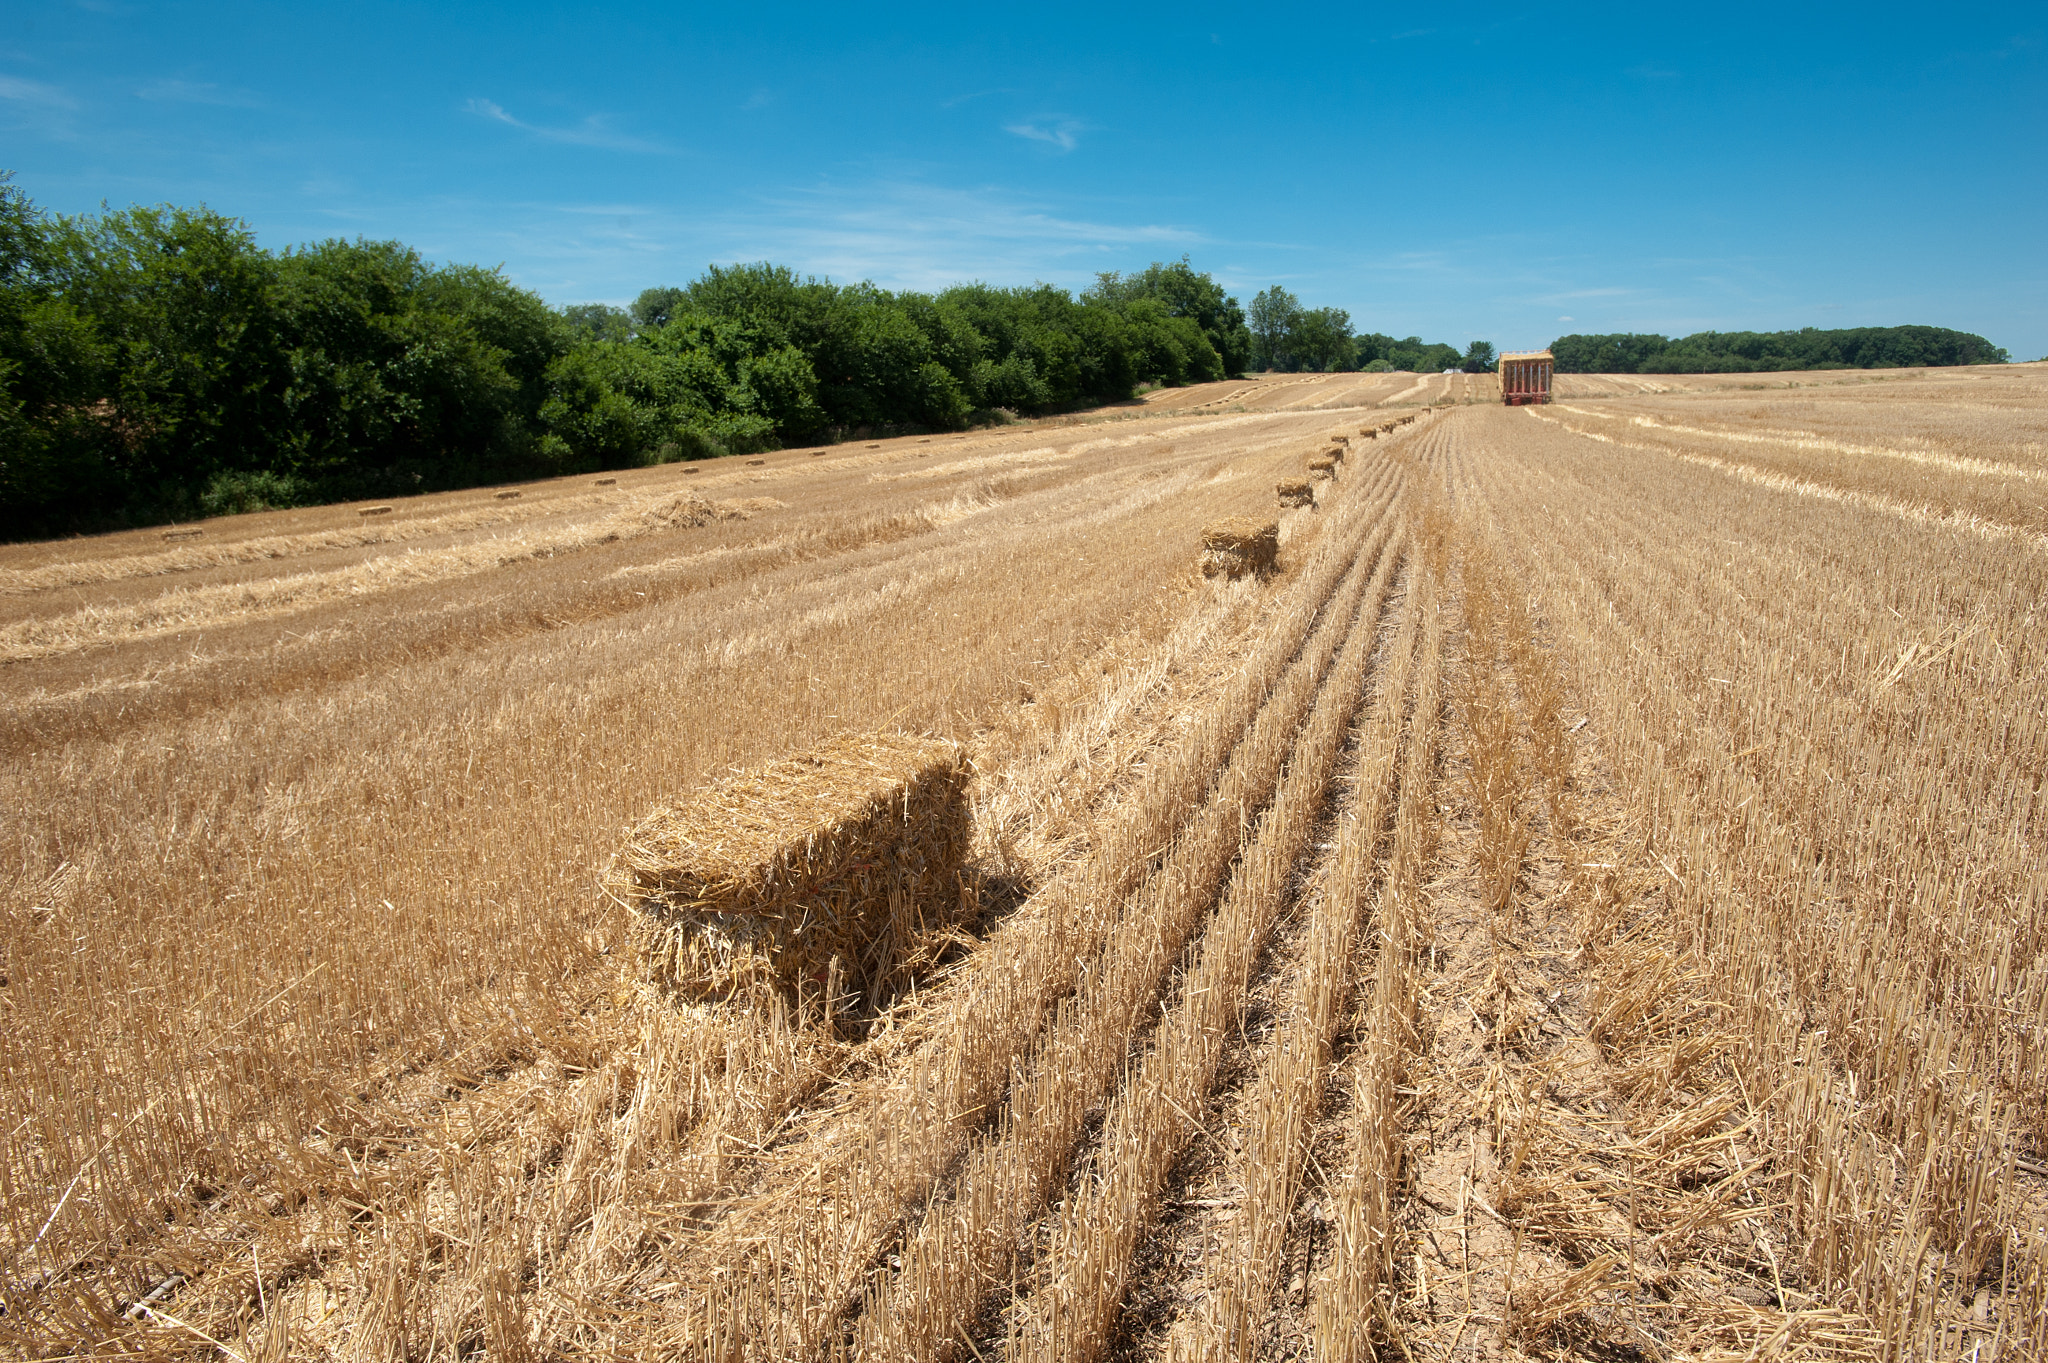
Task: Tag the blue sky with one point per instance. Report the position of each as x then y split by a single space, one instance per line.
1501 172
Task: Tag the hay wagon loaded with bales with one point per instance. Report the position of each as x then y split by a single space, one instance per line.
1525 377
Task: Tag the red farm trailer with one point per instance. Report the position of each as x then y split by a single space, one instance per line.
1525 377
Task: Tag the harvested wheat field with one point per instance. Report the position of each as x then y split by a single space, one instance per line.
1585 900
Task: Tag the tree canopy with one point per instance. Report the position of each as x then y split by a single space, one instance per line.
157 363
1742 352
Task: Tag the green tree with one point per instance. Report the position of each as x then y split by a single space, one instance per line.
1480 358
1272 317
1321 339
1186 293
600 322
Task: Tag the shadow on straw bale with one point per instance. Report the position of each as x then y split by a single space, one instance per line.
1296 492
1322 466
832 879
1237 545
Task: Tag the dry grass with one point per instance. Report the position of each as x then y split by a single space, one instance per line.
1582 898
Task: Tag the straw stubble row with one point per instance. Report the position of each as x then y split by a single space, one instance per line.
780 1278
1773 868
1116 1202
1277 1111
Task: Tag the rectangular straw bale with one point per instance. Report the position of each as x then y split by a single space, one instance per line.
836 872
1322 466
1296 492
1237 545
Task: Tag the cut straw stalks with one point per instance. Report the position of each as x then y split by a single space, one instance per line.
1888 1094
966 1244
1279 1105
707 1155
780 1277
1351 1302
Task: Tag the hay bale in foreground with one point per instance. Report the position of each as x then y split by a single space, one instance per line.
831 879
1237 545
1296 492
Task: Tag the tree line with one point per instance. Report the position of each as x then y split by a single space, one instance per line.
1292 339
157 363
1743 352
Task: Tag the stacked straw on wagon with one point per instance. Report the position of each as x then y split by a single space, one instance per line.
831 879
1237 545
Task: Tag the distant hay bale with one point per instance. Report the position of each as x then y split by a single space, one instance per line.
1237 545
506 496
688 471
606 482
373 511
751 463
193 533
1335 454
1296 492
1322 466
1341 439
831 879
817 454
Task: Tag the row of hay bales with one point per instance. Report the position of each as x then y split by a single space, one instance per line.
1300 492
1385 427
831 882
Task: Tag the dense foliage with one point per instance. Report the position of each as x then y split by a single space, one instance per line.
157 363
1742 352
1293 339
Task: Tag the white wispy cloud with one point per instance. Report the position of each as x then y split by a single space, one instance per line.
34 92
593 131
1060 134
900 234
910 235
196 92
